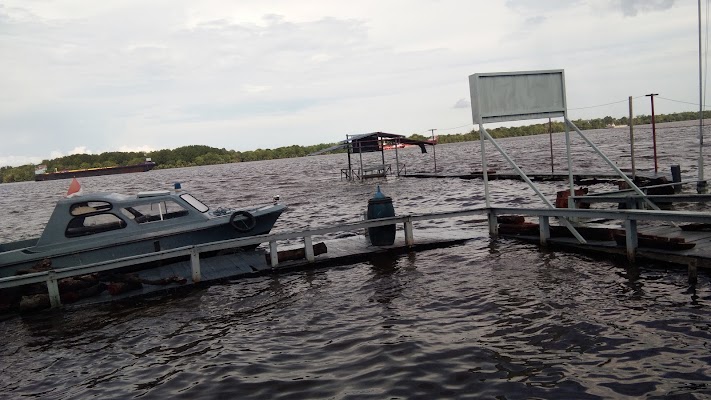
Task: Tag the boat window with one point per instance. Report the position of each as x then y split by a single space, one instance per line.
89 207
93 224
197 204
158 211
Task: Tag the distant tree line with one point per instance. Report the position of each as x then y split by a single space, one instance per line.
189 156
186 156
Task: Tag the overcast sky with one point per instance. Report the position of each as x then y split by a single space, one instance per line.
94 76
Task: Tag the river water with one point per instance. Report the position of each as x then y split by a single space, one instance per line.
486 319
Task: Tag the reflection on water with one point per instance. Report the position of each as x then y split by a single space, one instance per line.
487 319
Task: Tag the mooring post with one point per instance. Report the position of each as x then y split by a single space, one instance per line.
53 290
693 270
409 237
545 228
631 238
493 223
195 264
273 253
308 248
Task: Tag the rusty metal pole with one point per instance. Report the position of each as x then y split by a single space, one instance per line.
654 131
634 170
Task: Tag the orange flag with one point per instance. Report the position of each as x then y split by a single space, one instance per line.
74 188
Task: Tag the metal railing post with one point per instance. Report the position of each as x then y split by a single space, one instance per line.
409 237
308 248
273 253
631 238
545 229
195 264
53 290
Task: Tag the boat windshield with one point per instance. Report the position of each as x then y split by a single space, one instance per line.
197 204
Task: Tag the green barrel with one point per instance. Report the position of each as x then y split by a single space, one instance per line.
381 206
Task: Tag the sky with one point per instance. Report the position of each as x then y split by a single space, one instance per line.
85 76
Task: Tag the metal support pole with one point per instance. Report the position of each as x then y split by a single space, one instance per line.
273 253
485 175
309 248
550 135
195 265
526 179
634 170
613 166
349 146
53 289
360 153
397 159
631 238
701 184
409 237
570 160
545 229
654 132
434 152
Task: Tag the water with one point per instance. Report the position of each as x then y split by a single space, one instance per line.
486 319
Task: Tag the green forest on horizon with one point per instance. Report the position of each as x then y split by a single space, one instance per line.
195 155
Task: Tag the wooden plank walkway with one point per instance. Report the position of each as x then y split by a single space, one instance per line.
701 253
587 178
253 263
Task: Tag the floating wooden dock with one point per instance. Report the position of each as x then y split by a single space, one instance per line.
183 268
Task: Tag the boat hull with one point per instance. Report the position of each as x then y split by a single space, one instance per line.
18 260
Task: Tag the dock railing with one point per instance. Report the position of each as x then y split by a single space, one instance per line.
629 218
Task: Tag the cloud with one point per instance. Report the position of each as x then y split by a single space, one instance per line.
462 103
631 8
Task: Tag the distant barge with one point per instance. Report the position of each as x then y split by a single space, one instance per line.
42 175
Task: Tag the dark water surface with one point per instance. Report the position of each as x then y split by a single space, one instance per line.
487 319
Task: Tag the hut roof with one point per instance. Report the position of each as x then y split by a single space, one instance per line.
370 142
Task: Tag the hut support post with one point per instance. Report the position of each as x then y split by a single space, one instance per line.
493 223
409 237
545 229
53 290
693 270
274 254
631 238
195 264
309 248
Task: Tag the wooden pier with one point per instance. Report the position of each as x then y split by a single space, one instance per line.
190 266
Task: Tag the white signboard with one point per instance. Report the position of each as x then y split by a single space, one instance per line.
513 96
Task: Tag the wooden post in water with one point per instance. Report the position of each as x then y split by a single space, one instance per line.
195 264
693 270
493 223
631 239
545 229
631 121
53 290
